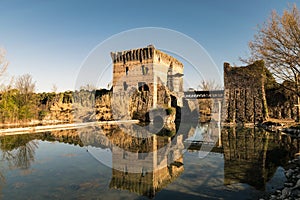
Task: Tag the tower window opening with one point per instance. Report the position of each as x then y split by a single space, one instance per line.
125 86
144 70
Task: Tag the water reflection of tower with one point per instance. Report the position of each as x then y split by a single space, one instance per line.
146 165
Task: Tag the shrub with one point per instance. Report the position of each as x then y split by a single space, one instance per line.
170 111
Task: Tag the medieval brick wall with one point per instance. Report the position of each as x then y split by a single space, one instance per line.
144 69
243 93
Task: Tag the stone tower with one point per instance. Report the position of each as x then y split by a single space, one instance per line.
146 69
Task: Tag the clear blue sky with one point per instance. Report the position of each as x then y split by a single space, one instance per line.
51 39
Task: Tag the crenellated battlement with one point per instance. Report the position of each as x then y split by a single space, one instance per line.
133 55
144 54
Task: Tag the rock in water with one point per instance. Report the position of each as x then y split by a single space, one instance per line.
297 184
285 193
289 173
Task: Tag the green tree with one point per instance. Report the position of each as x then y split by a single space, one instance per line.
8 106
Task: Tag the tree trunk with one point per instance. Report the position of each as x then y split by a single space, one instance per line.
263 95
298 99
298 109
264 99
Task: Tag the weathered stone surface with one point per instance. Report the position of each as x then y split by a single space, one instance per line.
146 65
103 106
144 79
61 110
281 102
244 93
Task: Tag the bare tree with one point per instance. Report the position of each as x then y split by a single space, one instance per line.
25 84
19 151
89 87
277 42
207 85
54 88
3 61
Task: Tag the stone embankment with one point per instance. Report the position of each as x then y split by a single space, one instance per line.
291 188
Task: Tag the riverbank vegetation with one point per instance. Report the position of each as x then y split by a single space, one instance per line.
19 107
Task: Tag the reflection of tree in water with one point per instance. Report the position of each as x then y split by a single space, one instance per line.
18 150
2 178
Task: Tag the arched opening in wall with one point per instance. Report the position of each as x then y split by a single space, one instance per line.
141 155
142 86
144 70
125 86
144 172
125 155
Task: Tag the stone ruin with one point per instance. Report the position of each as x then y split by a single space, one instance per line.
243 94
145 79
252 95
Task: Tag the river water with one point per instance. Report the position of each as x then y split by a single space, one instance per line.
121 162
